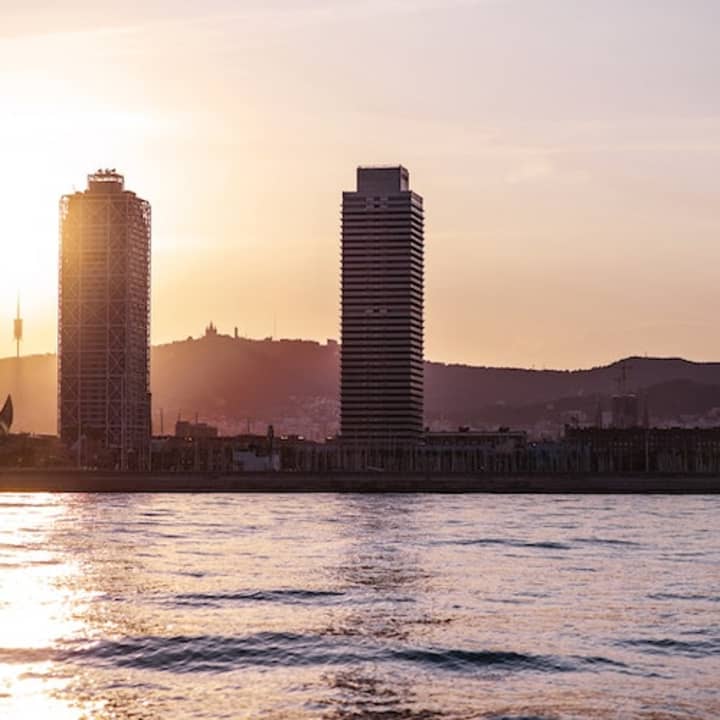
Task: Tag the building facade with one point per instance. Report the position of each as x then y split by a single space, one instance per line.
381 356
104 324
636 450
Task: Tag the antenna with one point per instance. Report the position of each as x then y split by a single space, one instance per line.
622 378
18 328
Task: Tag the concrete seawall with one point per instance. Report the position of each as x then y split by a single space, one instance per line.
290 482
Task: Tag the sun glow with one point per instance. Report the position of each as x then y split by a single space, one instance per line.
42 151
61 117
46 151
39 609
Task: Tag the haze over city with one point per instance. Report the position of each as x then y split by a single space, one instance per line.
566 153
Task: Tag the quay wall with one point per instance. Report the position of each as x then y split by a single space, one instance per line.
298 482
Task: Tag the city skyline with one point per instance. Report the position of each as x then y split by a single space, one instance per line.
574 205
358 359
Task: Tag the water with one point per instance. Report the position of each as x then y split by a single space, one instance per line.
384 607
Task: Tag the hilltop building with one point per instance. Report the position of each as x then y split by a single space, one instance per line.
381 356
104 323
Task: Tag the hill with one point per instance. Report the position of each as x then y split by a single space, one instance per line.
294 384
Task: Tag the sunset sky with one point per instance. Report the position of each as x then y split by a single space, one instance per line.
568 153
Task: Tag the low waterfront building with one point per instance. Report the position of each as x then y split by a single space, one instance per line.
462 451
23 451
656 450
213 454
189 430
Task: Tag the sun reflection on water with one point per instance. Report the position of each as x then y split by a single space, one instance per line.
38 611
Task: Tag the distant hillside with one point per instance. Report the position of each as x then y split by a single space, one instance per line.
294 384
467 388
668 403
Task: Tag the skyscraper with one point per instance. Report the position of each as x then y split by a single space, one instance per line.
381 368
104 322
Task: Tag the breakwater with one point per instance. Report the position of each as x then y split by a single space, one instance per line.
297 482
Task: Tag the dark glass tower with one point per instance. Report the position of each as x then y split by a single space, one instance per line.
104 323
381 376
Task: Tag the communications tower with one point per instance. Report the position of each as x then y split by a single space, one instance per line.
18 328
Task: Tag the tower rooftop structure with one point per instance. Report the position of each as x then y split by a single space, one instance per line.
382 179
106 181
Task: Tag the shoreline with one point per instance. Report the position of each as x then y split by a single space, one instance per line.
89 481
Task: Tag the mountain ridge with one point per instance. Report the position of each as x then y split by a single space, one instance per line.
294 384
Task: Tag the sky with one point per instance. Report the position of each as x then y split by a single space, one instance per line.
567 153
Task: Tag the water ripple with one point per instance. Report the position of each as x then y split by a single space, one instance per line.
541 545
669 646
254 596
212 653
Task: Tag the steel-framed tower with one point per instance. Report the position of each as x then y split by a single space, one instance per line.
381 375
104 323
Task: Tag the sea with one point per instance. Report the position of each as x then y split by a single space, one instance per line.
140 607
